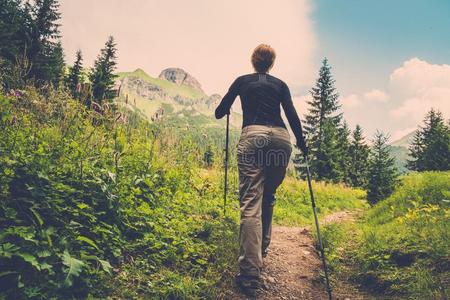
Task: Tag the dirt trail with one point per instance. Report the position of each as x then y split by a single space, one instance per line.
291 270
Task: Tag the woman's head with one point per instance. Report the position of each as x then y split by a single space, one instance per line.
262 58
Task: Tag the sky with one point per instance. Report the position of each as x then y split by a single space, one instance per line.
390 58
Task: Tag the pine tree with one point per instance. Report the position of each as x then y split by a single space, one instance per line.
326 160
102 76
383 174
358 156
430 150
29 42
321 124
45 51
15 34
12 29
75 73
46 17
56 64
343 139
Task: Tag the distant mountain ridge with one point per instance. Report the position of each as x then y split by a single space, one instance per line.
174 94
180 77
404 141
400 150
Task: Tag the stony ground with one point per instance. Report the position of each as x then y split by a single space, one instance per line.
292 268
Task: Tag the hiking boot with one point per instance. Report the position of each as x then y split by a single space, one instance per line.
248 284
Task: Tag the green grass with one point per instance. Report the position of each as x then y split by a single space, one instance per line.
293 206
145 106
401 248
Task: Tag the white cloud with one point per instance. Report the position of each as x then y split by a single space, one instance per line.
420 86
376 95
413 89
416 75
350 101
416 107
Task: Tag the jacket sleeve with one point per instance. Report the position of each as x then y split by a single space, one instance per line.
228 100
292 116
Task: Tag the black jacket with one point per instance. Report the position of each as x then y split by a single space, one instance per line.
261 96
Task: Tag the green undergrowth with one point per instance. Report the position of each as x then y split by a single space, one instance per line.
91 206
401 248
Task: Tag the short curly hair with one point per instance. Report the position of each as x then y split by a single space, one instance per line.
263 58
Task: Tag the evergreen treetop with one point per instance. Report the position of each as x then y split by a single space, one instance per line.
75 73
343 140
358 159
383 174
326 141
324 103
430 149
102 75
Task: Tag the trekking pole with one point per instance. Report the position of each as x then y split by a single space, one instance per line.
322 252
225 188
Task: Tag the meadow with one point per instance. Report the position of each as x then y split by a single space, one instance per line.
401 247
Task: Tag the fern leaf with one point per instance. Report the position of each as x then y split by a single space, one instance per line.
74 267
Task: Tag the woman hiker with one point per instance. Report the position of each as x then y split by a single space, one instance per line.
263 153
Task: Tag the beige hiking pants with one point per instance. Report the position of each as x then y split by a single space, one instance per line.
263 154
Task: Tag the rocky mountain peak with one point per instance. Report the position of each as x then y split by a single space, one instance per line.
180 76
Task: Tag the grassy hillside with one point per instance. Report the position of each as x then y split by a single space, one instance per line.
401 249
181 115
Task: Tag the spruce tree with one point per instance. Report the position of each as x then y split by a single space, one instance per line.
430 149
75 73
358 159
383 174
102 76
29 42
13 33
45 51
56 65
46 17
343 139
326 160
321 124
15 36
